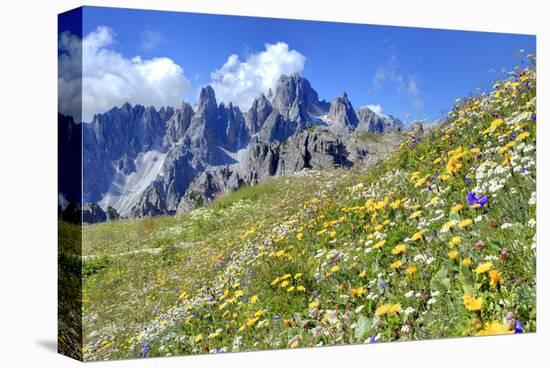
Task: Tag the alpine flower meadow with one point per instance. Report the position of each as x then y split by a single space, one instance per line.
437 240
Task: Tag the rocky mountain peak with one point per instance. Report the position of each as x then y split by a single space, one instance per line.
258 113
207 98
371 122
296 99
342 115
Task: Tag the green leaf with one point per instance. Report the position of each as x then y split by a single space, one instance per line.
363 325
440 281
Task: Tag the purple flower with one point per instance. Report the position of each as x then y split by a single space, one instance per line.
372 339
277 318
473 199
144 350
534 117
519 327
383 286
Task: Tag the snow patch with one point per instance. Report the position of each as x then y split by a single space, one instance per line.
125 190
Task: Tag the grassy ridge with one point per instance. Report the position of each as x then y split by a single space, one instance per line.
437 241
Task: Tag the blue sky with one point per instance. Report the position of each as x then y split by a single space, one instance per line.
410 72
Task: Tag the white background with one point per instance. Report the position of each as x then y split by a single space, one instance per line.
28 56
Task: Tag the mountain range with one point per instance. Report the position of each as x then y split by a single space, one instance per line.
139 161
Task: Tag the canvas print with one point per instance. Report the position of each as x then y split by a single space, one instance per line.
232 184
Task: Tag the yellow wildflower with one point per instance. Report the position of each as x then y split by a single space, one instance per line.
410 270
494 328
394 309
452 254
299 236
252 321
314 304
494 276
465 223
380 244
363 273
335 269
417 235
358 292
254 299
456 208
483 267
471 303
213 335
398 249
522 136
453 165
198 338
285 283
332 234
467 262
396 265
448 225
395 204
455 240
382 309
300 288
415 214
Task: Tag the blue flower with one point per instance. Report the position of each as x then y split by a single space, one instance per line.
473 199
144 350
519 327
372 339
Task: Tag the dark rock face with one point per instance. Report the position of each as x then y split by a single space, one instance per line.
208 185
309 149
370 122
111 214
296 100
142 162
92 213
126 165
178 124
342 115
120 133
258 113
69 158
72 213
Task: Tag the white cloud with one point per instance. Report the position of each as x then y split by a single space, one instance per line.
390 72
110 79
150 39
240 81
377 109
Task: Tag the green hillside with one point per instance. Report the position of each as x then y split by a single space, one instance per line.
436 241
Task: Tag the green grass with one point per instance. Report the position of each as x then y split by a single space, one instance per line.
310 260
